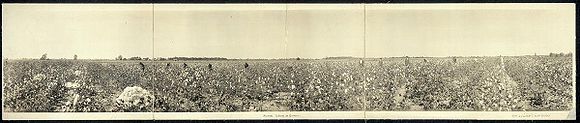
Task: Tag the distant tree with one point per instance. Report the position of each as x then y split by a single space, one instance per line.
135 58
568 54
298 58
561 54
553 54
75 57
44 57
120 57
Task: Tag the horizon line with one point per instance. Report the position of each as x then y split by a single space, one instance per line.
285 58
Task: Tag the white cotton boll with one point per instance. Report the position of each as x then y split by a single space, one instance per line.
78 72
72 85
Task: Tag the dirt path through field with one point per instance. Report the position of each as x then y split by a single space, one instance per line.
511 87
399 99
72 96
510 84
400 93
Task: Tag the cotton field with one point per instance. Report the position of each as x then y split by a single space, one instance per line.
509 83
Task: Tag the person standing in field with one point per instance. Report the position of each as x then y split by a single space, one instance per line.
501 63
407 60
209 66
142 66
246 65
184 65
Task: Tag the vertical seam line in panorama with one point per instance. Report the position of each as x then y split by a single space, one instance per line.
153 57
364 57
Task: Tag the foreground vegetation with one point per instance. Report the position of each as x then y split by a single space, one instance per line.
462 84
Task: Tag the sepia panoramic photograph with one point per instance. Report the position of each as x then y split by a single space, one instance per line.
288 61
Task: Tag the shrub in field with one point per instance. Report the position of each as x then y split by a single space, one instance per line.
39 77
135 99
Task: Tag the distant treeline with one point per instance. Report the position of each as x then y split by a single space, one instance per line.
340 57
195 58
171 58
560 54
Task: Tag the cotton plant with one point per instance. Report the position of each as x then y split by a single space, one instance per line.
39 77
135 99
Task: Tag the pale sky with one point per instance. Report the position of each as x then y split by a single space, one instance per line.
285 31
475 30
318 31
231 31
90 31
